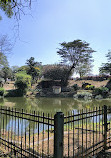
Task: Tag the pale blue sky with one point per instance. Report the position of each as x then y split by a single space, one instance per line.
53 21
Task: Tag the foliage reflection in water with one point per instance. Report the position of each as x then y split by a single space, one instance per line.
47 105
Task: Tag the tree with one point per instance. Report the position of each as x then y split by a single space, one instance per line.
74 53
14 71
3 60
14 7
23 82
106 67
23 68
109 56
56 72
84 69
33 68
5 73
5 45
5 48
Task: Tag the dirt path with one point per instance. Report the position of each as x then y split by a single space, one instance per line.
95 83
9 85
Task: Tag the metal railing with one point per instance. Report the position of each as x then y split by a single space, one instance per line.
26 134
80 133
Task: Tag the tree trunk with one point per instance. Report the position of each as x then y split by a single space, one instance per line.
68 74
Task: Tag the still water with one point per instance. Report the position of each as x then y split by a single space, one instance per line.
47 105
51 105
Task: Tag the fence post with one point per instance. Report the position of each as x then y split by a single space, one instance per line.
105 127
58 134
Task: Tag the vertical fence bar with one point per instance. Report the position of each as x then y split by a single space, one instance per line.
0 125
43 137
11 128
73 133
48 137
105 127
21 131
99 124
86 130
58 134
38 133
68 132
93 131
15 133
5 127
33 133
82 132
96 129
78 131
25 133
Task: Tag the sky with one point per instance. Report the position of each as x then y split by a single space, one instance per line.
51 22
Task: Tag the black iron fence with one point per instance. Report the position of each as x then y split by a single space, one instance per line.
80 133
26 134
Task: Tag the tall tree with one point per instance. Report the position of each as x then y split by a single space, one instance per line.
5 45
33 68
5 73
74 53
5 49
106 67
3 60
84 69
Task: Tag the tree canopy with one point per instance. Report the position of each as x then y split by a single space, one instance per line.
74 53
106 67
6 73
84 69
5 49
33 68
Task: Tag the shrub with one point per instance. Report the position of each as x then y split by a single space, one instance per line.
85 84
2 91
109 84
24 78
22 86
76 87
101 91
90 87
14 93
23 81
83 95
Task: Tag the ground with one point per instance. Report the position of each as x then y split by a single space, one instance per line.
10 84
95 83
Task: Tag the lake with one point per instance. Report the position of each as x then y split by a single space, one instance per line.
51 105
47 105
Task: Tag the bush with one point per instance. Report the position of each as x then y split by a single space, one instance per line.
84 85
14 93
76 87
23 82
89 87
22 86
101 91
99 96
2 91
83 95
109 84
24 78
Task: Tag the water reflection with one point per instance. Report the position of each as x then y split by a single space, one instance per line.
47 105
51 105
